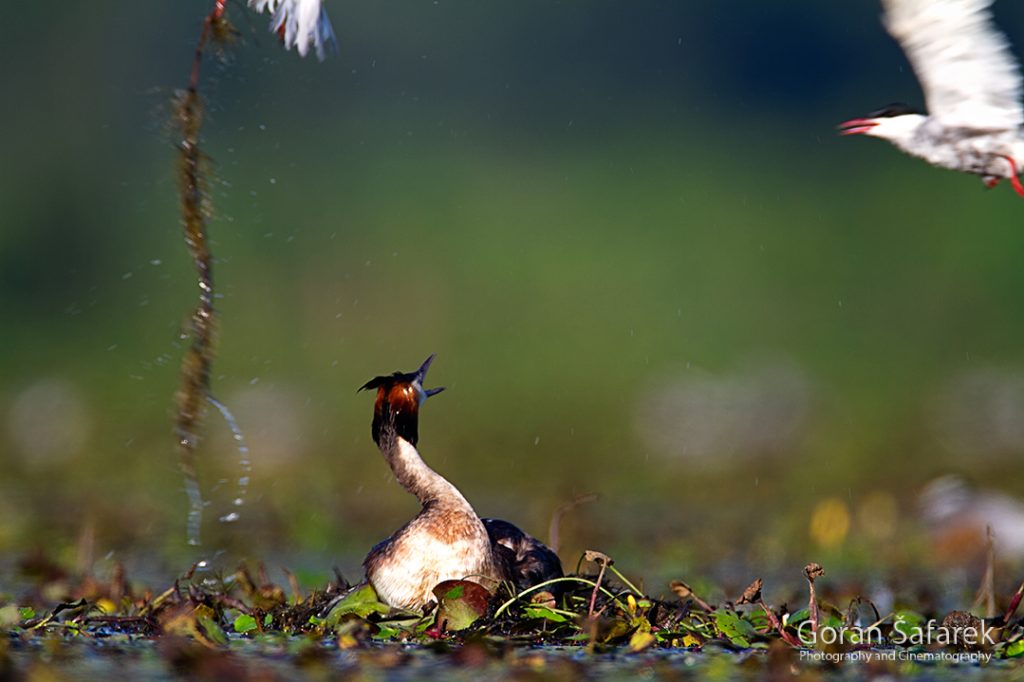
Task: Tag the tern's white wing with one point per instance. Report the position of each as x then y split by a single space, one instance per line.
969 77
301 23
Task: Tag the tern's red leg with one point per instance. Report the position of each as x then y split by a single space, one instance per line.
1014 180
991 182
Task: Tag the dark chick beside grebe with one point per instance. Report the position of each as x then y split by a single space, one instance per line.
446 540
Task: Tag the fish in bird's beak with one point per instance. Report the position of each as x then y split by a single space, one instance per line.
856 126
387 381
421 374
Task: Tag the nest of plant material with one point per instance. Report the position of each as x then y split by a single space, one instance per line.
596 609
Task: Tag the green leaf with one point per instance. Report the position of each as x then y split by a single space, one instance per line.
541 611
1014 649
831 621
207 623
734 628
403 622
386 632
26 612
245 623
758 618
798 617
360 601
268 620
907 623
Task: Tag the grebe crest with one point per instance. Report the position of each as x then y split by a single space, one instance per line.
399 396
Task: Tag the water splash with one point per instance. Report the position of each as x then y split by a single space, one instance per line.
244 461
193 490
195 509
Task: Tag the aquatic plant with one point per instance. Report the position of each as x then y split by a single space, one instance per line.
245 618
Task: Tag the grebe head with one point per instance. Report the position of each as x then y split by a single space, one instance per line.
399 397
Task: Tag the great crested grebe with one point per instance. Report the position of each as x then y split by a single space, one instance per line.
972 85
446 540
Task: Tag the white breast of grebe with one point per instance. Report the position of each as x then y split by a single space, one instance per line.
437 545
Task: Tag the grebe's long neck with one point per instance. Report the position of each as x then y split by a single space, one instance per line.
395 429
429 487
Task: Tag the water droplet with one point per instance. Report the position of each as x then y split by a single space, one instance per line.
244 463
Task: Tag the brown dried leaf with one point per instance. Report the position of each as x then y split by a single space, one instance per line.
813 570
752 594
544 598
681 589
459 604
599 558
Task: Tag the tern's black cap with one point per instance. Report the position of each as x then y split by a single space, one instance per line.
894 109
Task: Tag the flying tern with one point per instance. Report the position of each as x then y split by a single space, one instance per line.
299 24
971 84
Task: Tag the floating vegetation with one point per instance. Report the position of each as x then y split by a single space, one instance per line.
597 613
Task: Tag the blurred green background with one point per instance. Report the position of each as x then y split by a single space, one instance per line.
649 267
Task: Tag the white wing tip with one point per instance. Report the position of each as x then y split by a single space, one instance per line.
299 24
